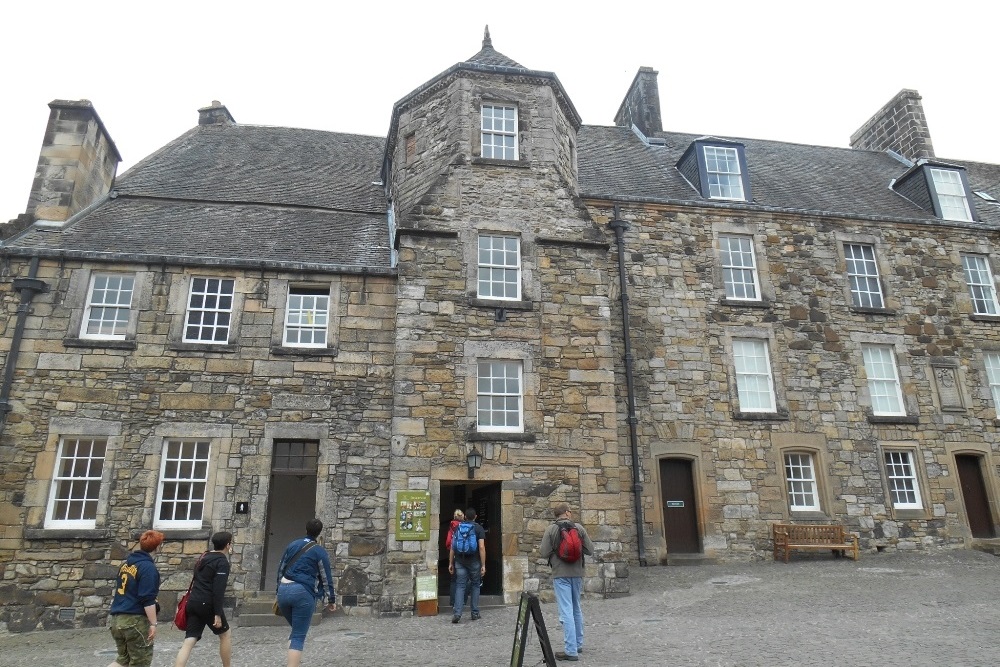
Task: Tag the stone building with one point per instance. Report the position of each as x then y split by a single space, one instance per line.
685 337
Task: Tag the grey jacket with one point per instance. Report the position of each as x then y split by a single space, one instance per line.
561 568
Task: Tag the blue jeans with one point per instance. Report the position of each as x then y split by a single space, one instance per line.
567 591
297 606
469 575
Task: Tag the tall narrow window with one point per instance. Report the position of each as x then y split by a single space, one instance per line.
739 268
307 316
883 380
725 180
862 272
992 360
183 480
210 309
109 305
979 278
951 195
76 483
499 135
753 376
499 396
902 478
800 480
500 267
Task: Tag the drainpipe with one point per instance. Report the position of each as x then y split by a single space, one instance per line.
619 226
28 288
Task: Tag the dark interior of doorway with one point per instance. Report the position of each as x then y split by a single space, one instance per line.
485 497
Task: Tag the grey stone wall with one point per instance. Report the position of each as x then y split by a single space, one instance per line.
242 399
682 331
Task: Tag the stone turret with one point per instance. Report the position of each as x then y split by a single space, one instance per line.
76 165
899 126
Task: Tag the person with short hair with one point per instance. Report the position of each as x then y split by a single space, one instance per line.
300 584
567 580
469 568
204 607
133 608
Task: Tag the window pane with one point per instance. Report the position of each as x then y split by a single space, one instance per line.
76 484
883 380
108 307
753 376
499 267
980 282
862 275
902 479
182 481
801 482
499 402
209 306
951 195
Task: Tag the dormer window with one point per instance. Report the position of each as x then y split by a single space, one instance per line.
725 181
937 187
717 169
951 198
499 132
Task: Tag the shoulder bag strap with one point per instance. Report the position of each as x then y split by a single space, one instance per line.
304 548
200 558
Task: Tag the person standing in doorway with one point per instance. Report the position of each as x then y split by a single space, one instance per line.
457 518
467 560
566 561
300 584
133 608
204 608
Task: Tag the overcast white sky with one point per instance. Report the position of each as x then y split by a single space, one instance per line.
806 72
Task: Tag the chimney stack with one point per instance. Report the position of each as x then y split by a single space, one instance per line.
899 126
215 114
76 165
641 106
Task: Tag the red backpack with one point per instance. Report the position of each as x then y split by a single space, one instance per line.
570 546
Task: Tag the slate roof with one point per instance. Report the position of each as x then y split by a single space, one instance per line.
615 163
239 194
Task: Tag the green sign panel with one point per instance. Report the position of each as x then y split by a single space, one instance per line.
413 515
426 588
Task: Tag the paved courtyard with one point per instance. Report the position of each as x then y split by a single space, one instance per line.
883 610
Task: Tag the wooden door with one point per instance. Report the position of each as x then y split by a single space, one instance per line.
977 505
680 516
486 500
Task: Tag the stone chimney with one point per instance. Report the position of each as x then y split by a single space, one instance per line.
899 126
641 106
215 114
76 165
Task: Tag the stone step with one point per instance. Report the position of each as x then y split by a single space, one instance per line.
485 602
255 612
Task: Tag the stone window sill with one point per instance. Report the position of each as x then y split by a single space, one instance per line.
984 318
809 515
745 303
202 347
100 343
282 351
893 419
872 311
67 534
476 302
492 162
760 416
489 436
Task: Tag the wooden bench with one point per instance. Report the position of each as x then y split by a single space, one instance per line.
788 536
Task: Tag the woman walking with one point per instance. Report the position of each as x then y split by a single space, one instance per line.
204 607
300 584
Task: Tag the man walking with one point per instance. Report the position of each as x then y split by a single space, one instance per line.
467 559
564 545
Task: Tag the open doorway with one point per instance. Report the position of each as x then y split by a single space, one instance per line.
291 501
485 497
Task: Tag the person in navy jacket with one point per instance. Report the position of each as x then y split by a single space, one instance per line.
300 585
133 609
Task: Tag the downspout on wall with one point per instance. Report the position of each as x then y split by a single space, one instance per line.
28 288
619 226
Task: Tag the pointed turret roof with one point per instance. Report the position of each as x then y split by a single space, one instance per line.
490 56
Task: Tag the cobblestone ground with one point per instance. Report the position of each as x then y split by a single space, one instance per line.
883 610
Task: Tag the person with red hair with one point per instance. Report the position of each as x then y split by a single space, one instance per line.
133 609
